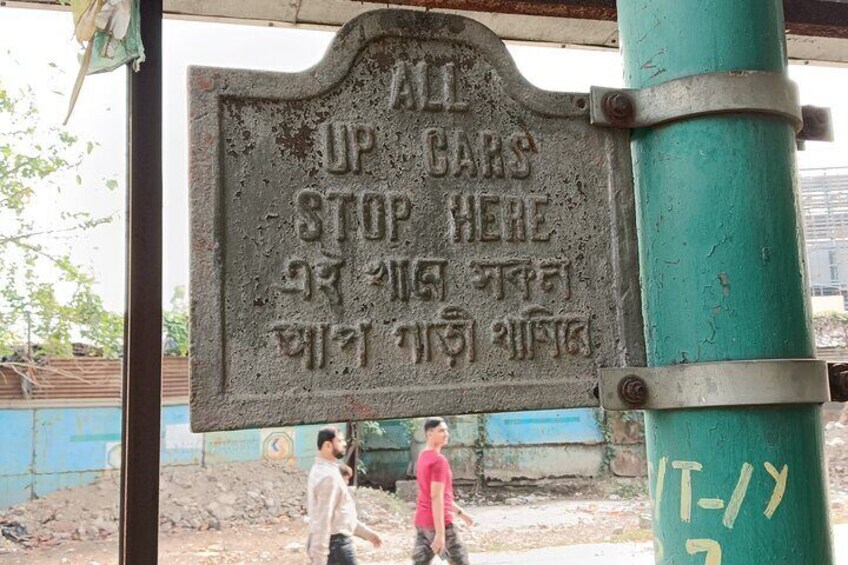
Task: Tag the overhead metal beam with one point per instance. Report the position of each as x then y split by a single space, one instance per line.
820 18
580 9
817 30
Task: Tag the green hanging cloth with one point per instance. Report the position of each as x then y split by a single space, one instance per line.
111 33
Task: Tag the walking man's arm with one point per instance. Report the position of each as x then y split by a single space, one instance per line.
368 534
320 523
437 500
466 517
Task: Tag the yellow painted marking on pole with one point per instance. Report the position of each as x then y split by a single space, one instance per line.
686 468
779 487
658 490
711 547
738 496
711 503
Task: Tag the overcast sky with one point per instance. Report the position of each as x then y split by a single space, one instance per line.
36 49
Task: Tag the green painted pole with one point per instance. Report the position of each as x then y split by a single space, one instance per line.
723 278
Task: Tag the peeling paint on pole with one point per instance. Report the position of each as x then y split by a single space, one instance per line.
407 228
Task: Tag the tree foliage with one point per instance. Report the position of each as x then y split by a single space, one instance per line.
45 297
175 324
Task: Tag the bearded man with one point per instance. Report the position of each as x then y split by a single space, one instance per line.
331 509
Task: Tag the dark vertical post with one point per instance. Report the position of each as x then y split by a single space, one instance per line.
142 379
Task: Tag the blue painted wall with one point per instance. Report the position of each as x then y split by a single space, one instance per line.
16 456
15 489
16 430
69 440
45 449
179 445
227 447
543 427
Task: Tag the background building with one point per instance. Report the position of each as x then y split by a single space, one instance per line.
824 200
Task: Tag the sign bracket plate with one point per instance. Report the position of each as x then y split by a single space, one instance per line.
703 385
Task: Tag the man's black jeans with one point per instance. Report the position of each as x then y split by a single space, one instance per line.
341 550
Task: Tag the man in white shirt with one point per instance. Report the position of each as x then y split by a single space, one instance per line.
332 512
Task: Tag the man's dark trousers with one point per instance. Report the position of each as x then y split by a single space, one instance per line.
341 550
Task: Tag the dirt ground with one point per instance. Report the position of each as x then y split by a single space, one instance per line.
254 513
535 522
606 530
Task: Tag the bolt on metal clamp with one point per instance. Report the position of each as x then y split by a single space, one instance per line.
633 391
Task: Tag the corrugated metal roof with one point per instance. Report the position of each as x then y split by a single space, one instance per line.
85 379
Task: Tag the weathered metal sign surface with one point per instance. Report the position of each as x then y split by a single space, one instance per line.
408 228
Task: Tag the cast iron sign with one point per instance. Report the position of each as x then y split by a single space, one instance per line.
407 228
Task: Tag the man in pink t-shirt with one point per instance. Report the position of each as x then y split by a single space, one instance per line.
435 511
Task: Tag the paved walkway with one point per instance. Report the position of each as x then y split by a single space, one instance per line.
617 554
609 554
594 554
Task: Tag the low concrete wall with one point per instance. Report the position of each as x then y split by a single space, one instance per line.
503 448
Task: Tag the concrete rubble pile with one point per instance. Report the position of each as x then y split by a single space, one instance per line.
191 499
836 447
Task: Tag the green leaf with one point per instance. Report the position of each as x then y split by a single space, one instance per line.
112 184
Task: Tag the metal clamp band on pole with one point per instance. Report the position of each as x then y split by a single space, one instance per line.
728 383
697 95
